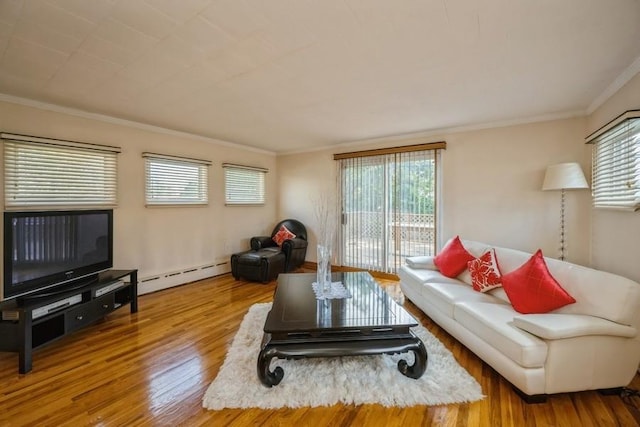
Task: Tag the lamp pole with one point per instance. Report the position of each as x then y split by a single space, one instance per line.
564 176
562 225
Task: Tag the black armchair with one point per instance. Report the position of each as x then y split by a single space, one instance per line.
266 259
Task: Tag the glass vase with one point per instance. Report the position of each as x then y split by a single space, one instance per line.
323 274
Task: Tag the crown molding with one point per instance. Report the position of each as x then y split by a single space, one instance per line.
425 136
616 85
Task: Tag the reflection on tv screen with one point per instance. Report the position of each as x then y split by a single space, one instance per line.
46 245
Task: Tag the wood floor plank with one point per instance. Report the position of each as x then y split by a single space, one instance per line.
153 367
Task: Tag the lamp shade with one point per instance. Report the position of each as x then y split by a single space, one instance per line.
564 176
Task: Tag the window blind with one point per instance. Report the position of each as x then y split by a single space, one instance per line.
41 172
244 185
171 180
616 166
388 208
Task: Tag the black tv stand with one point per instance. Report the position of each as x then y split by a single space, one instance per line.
33 322
52 293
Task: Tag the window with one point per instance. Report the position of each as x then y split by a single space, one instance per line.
171 180
244 185
616 163
50 173
389 200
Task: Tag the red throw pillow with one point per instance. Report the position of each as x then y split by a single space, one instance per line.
532 289
282 235
453 258
484 272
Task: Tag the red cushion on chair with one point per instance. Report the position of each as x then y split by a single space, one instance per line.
484 272
282 235
532 289
453 258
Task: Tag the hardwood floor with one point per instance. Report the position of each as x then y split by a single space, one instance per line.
153 367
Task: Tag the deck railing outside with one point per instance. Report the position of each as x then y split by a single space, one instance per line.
376 244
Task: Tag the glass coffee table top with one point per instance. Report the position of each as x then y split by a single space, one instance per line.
296 309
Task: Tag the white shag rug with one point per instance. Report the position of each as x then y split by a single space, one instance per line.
327 381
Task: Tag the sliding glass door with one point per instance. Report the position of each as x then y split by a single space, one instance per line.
388 208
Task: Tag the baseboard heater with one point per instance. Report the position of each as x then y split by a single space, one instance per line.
161 281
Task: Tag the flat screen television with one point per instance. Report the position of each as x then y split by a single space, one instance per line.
48 251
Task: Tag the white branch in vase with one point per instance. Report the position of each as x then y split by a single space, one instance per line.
325 213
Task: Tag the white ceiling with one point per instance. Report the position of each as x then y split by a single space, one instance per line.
293 75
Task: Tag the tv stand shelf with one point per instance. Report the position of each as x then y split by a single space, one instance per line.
30 323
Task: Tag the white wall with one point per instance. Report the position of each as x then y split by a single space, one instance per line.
303 179
615 239
161 239
492 188
491 182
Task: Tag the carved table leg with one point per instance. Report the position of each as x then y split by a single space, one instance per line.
267 377
296 350
416 370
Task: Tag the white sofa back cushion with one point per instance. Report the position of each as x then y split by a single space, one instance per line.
597 293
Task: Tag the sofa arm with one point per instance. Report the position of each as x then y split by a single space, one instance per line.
260 242
421 262
295 251
295 243
559 326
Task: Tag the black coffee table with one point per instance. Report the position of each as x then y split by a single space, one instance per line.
369 323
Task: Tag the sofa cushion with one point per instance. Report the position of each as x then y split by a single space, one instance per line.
453 258
423 262
598 293
558 326
620 303
493 323
532 289
500 294
445 295
484 272
419 275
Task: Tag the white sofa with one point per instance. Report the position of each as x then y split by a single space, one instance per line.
588 345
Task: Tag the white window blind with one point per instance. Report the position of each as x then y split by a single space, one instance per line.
616 164
41 172
244 185
171 180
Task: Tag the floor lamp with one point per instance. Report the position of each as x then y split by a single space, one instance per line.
564 176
